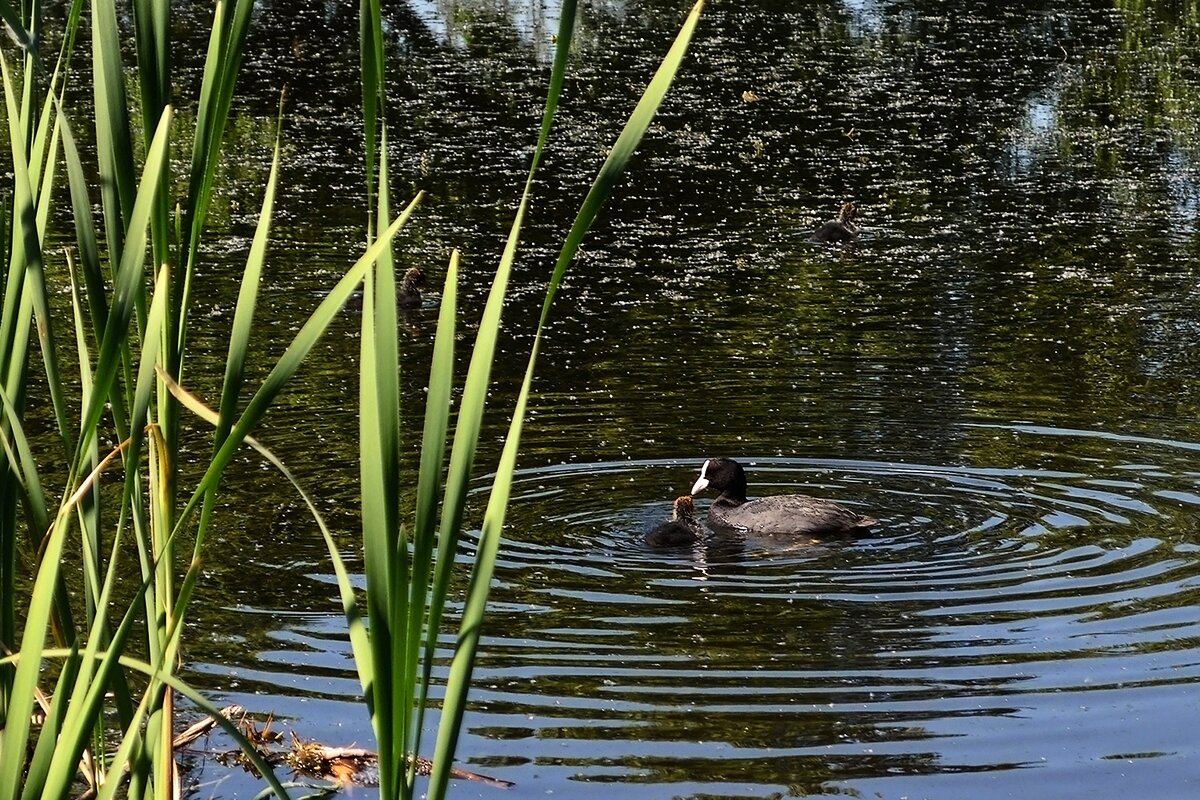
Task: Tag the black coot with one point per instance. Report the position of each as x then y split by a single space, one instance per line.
792 514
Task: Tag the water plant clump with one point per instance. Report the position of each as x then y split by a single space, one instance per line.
131 277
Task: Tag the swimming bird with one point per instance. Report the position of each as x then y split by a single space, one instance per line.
789 514
840 230
410 288
681 529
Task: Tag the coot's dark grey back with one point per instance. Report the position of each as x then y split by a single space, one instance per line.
790 514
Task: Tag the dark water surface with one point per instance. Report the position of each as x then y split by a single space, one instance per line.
1005 370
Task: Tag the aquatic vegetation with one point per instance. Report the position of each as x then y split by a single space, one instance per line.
130 280
409 572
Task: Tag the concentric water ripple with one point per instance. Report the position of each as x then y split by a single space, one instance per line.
1003 627
998 618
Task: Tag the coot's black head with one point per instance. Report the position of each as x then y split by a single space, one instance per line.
723 474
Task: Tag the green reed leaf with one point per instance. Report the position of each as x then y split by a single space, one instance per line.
128 291
114 148
85 232
27 253
221 67
471 407
469 630
88 692
358 631
13 21
247 302
385 556
429 480
41 762
287 365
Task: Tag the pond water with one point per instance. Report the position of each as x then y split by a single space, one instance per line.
1004 370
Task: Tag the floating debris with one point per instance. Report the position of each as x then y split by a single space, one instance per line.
342 766
194 732
354 766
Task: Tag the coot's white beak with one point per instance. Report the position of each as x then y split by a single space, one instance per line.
702 482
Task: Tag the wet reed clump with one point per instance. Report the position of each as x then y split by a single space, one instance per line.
109 716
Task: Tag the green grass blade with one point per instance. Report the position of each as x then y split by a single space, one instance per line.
85 232
152 19
15 26
468 639
26 297
33 654
372 70
247 302
24 464
128 288
301 344
89 252
281 373
433 456
243 322
114 352
89 517
239 345
114 149
88 695
252 755
466 434
475 388
384 546
284 368
46 326
15 736
132 739
358 631
437 408
146 379
27 251
471 407
40 764
221 68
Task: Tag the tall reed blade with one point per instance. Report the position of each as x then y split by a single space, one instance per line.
87 692
127 282
291 359
16 731
15 26
114 148
373 97
240 337
429 482
384 546
463 662
221 67
27 253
